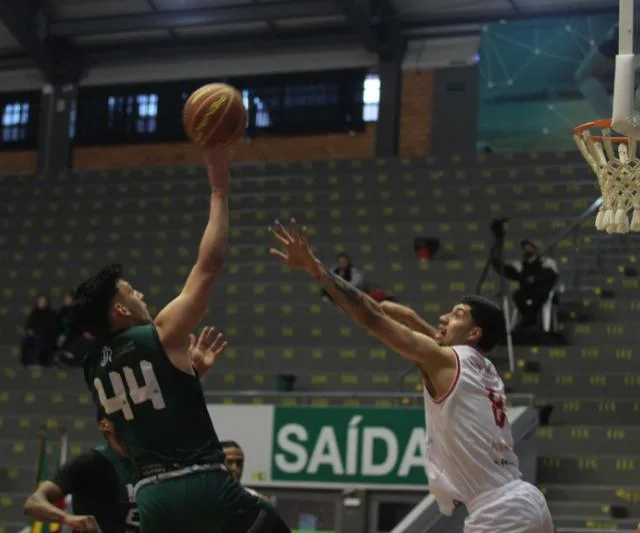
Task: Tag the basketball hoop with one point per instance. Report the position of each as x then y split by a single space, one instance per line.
616 162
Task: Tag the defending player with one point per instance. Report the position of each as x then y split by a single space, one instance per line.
140 372
106 506
470 457
234 461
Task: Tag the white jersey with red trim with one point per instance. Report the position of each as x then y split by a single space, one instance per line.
469 440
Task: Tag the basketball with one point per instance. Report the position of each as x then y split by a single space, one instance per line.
214 114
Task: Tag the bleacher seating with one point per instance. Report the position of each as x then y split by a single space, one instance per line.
56 230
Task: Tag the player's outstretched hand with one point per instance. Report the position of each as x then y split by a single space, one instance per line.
206 349
84 523
295 252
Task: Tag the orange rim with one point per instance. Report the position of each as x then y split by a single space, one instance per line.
603 124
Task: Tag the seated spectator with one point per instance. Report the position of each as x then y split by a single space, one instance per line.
345 269
537 275
64 319
39 333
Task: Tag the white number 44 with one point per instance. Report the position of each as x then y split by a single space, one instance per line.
148 391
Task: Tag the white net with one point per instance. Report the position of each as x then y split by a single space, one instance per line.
617 166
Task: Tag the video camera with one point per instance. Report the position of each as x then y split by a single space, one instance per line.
497 227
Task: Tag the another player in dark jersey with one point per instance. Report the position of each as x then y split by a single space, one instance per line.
100 482
140 372
234 461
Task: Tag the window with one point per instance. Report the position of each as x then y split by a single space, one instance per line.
133 114
15 118
73 118
147 113
263 120
371 98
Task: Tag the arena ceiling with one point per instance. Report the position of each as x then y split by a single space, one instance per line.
59 35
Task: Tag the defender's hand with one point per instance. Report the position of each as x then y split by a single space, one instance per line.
297 254
206 349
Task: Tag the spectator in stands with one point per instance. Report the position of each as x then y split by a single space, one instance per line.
64 319
537 275
39 332
345 269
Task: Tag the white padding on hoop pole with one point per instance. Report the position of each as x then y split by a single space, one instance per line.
625 118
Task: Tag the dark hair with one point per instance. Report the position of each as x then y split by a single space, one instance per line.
93 299
230 444
488 316
343 254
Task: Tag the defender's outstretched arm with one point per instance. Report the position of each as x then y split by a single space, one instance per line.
412 345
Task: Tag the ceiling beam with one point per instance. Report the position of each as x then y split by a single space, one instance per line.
514 6
376 24
28 21
265 41
475 18
244 13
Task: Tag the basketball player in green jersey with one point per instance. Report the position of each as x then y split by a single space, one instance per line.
141 373
107 506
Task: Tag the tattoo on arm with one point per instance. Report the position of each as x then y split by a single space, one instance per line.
351 300
345 288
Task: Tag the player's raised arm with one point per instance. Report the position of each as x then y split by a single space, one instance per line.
182 315
409 317
412 345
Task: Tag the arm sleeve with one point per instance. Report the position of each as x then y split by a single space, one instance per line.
80 474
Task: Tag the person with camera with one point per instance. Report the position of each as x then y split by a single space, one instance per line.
536 275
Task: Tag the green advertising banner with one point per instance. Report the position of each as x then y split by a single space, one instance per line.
329 447
349 446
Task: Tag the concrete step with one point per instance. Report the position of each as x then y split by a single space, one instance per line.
585 493
589 469
577 385
588 410
570 523
590 440
596 509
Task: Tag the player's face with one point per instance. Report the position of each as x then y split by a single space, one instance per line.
130 303
457 327
234 461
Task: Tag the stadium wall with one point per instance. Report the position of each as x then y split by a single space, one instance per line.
415 139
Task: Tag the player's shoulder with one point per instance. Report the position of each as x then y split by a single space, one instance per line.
464 351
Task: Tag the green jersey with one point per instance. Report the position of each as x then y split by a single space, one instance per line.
110 499
157 410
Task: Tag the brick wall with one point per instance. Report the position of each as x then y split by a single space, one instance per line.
261 149
18 161
416 112
415 139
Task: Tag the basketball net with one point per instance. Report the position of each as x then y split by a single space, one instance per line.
616 162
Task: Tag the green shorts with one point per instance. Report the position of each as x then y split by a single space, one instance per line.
204 502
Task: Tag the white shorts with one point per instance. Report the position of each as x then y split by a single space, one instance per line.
518 507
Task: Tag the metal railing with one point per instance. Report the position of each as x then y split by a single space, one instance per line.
570 277
320 397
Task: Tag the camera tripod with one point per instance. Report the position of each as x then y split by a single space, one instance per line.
497 254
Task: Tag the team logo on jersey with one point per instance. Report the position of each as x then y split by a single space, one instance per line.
126 348
107 356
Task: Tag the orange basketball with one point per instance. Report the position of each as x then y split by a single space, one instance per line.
214 114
